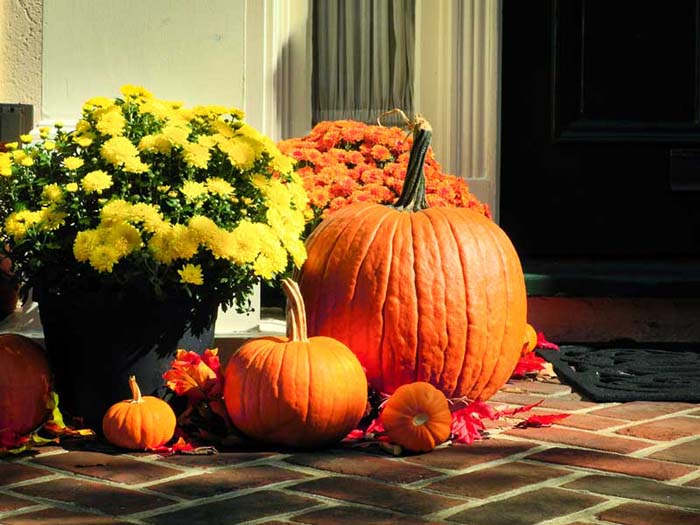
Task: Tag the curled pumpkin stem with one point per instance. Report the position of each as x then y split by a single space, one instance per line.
135 390
296 313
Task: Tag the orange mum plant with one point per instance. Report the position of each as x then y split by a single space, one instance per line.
344 161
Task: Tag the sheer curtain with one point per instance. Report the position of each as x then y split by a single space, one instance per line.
363 58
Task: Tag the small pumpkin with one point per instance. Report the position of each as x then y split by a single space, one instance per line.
530 339
417 416
139 423
295 391
25 384
418 293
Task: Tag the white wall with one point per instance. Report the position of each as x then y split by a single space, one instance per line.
185 50
20 52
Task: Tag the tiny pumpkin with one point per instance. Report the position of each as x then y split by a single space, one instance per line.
295 391
139 423
417 416
25 384
530 339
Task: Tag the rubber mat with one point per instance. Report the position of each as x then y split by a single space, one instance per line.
620 374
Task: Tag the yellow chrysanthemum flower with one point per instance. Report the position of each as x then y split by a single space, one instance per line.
240 153
136 93
18 155
49 145
177 135
5 164
161 109
174 242
245 243
116 210
123 237
27 162
51 193
203 228
191 274
103 258
73 163
110 121
219 186
72 187
51 219
196 155
96 181
25 139
19 222
149 215
96 103
193 190
84 140
119 151
206 141
11 146
84 244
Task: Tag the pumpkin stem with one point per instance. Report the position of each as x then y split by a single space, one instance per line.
296 313
135 390
413 192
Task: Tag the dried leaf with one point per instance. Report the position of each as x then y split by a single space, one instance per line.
541 420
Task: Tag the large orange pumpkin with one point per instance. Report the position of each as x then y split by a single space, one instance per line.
418 293
295 391
25 384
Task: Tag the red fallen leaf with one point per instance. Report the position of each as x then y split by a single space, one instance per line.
526 408
356 434
375 427
197 377
544 344
541 420
528 364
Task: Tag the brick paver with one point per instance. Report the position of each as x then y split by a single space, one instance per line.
639 489
353 515
665 429
646 468
528 508
13 472
90 494
496 480
61 516
458 457
688 452
360 464
642 514
226 480
557 434
576 472
379 495
253 506
641 410
117 468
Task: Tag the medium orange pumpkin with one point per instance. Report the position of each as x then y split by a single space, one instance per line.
530 339
139 423
418 293
25 384
295 391
417 417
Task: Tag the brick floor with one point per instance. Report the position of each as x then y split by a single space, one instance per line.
631 464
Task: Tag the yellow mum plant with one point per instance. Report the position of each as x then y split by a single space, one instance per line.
189 202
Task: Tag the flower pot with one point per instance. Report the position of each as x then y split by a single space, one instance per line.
96 340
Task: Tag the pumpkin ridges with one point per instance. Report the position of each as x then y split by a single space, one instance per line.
476 303
365 275
459 335
517 318
341 272
328 231
401 325
430 292
497 303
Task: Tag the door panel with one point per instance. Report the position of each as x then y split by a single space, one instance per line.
597 98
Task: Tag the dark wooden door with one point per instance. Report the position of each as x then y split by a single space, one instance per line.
600 143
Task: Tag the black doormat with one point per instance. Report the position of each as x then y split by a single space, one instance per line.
625 373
